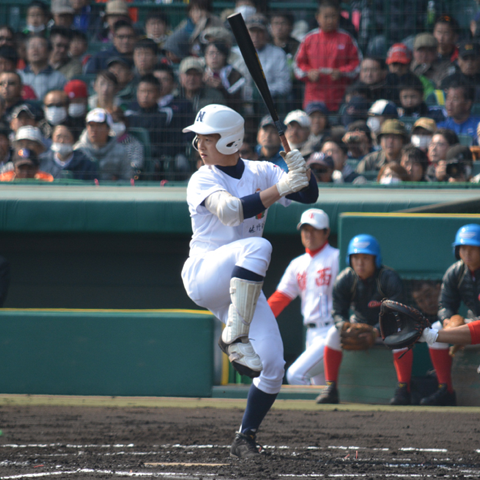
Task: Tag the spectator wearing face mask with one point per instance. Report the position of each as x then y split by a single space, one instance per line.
61 161
392 173
77 93
378 113
37 18
422 132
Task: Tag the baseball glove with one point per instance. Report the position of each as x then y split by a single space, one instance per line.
400 325
454 321
357 336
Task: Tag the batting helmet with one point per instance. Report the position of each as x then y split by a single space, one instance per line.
467 235
365 244
222 120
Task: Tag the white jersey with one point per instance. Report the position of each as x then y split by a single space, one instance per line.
312 279
209 232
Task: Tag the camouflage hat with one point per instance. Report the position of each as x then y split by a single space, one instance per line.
393 127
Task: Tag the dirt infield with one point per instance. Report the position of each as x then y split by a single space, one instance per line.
92 442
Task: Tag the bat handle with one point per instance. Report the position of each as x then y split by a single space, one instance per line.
281 134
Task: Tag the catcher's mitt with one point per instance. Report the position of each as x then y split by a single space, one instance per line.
454 321
400 325
357 336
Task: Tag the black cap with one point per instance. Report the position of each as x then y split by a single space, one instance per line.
468 49
25 156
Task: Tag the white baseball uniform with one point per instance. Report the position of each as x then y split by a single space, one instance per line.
312 278
215 249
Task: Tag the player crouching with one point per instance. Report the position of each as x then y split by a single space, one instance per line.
228 199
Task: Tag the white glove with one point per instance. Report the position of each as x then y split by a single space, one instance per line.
429 335
294 181
294 160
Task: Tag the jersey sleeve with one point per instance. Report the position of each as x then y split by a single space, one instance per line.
274 174
288 283
277 302
201 186
474 328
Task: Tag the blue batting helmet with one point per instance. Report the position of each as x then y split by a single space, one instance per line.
365 244
467 235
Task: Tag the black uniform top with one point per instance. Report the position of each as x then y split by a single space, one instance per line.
459 285
364 296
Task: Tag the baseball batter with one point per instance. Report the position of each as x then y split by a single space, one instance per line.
310 276
228 200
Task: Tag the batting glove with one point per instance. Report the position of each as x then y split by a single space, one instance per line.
294 181
429 336
294 160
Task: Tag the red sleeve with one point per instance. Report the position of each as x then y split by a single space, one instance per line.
278 301
302 64
474 331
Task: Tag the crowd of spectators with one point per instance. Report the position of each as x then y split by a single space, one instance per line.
96 90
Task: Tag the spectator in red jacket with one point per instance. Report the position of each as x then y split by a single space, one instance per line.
327 60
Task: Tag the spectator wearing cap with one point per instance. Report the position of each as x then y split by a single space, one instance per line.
31 138
358 140
124 38
411 99
327 60
165 142
62 13
27 115
321 166
37 17
298 131
105 88
337 151
156 28
60 38
77 93
445 31
319 124
274 63
98 142
115 11
380 112
25 166
8 59
466 69
193 87
61 161
425 60
458 104
222 76
415 162
177 46
356 109
375 75
399 59
38 74
269 145
392 137
126 82
422 132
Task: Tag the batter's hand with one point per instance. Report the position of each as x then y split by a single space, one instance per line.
294 181
294 159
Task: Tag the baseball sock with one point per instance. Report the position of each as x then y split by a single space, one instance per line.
258 405
442 362
332 360
244 274
403 366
